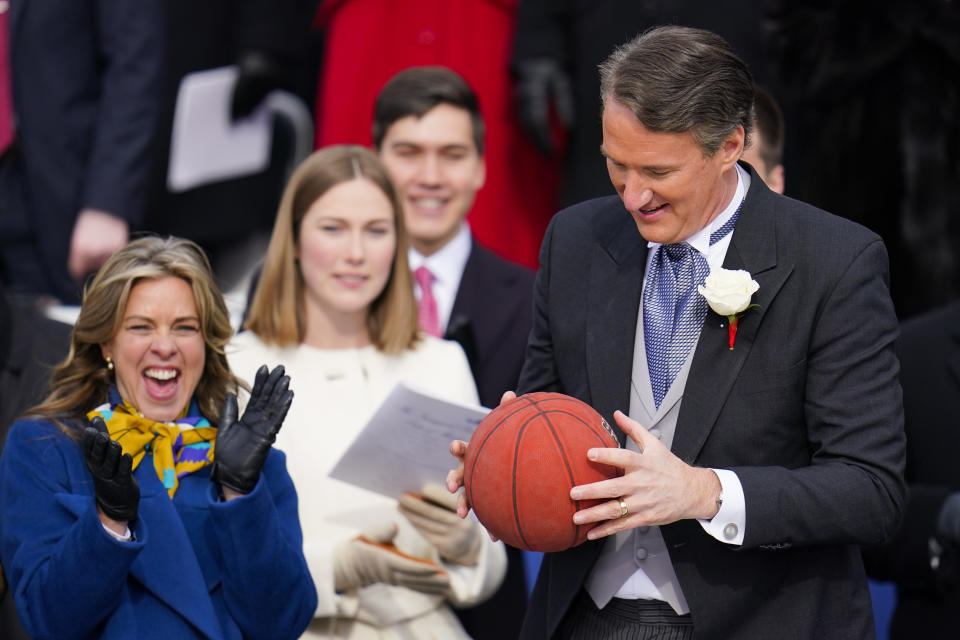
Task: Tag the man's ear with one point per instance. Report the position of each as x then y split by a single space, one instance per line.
732 148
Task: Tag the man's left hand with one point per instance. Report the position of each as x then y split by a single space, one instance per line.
656 487
96 235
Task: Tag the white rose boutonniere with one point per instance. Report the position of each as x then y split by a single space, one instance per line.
728 292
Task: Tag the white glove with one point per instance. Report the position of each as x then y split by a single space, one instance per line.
371 557
434 515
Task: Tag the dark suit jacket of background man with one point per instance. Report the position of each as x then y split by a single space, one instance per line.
928 599
85 79
491 318
806 409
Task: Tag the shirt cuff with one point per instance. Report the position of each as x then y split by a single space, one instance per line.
126 537
730 522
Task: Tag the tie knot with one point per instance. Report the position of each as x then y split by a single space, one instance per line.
677 252
424 277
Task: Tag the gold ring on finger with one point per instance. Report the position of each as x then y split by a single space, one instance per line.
623 507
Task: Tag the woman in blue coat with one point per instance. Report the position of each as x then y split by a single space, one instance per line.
123 512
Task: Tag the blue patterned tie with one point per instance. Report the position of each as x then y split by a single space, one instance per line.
673 310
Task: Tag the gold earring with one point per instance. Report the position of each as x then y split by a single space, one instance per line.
109 363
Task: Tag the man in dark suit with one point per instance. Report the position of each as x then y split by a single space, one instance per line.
756 457
923 558
429 133
85 76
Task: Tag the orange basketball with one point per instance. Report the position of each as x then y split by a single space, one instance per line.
521 463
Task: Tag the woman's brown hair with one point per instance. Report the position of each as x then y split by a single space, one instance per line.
277 313
82 381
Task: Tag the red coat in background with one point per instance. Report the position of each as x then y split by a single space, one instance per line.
368 41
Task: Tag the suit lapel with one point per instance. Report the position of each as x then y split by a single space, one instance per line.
715 366
167 566
613 302
460 327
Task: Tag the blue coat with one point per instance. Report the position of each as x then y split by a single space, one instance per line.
198 568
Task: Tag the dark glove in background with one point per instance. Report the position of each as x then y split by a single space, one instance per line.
539 84
259 74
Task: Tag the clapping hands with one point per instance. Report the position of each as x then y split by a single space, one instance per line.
115 488
242 445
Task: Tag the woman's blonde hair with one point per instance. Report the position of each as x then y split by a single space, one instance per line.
277 311
81 382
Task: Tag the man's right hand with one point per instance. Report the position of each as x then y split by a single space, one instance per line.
458 449
115 488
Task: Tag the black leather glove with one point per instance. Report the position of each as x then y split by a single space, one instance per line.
259 74
116 490
540 82
242 446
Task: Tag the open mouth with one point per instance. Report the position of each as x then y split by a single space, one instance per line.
161 382
654 210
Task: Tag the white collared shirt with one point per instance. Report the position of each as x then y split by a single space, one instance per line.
446 265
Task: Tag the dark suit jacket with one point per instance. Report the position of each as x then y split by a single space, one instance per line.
928 600
491 320
806 410
30 345
85 75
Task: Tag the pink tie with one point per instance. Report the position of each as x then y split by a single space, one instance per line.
6 96
429 318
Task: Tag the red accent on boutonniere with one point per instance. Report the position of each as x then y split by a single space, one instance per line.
732 329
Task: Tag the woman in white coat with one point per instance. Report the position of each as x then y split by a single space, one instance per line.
335 306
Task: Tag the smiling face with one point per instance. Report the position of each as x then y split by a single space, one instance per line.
438 170
346 247
666 183
159 351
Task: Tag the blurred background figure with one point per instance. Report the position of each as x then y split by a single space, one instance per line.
765 152
30 345
123 511
271 45
430 134
924 557
367 41
84 77
335 306
872 95
556 51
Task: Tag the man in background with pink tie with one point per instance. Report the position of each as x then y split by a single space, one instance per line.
429 133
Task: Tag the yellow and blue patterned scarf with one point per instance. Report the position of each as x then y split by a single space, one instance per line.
178 448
